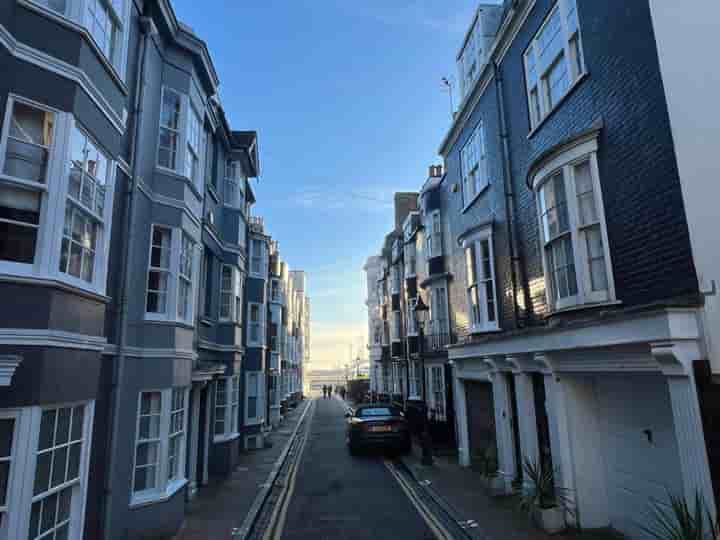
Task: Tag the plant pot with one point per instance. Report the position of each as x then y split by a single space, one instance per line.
551 520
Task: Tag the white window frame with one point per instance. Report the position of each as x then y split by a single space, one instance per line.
171 306
537 89
234 184
24 452
474 165
415 380
258 393
187 276
433 235
258 259
484 319
434 392
470 59
234 294
231 413
583 151
411 323
258 326
53 201
439 325
165 487
184 144
194 148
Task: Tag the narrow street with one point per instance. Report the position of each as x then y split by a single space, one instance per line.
339 496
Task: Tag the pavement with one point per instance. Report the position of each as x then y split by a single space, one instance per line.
459 490
222 506
339 497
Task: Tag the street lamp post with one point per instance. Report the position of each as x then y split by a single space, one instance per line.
421 312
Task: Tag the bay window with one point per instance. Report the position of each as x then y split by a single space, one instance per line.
574 238
258 258
256 324
433 234
231 294
227 396
234 184
56 190
473 161
481 290
181 137
254 392
159 468
29 138
44 455
554 60
411 320
106 22
171 277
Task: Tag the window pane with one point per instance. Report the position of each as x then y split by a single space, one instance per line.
47 429
31 125
19 218
145 478
549 41
558 81
4 478
596 256
584 189
59 465
170 113
62 432
42 472
7 425
470 264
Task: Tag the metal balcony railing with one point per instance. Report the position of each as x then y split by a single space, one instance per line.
438 341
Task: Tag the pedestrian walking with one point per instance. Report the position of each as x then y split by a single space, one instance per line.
329 390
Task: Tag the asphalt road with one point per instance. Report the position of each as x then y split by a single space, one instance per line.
337 496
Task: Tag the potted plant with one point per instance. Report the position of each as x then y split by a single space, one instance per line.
677 520
546 503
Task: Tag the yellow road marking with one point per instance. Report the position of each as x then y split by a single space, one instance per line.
437 528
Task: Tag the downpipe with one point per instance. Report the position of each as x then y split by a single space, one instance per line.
147 29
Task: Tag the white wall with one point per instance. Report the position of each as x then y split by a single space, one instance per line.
686 35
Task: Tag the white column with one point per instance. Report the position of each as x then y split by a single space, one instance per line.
503 427
195 437
527 424
461 420
560 447
207 434
690 438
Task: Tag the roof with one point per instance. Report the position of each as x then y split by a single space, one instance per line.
247 141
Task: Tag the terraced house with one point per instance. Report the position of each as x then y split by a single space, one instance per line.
132 272
572 294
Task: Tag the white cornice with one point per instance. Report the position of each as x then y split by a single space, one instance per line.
8 365
147 352
38 58
34 337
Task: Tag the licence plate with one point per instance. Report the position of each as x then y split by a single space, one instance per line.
380 429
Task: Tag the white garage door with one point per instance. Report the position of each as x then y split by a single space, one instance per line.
641 453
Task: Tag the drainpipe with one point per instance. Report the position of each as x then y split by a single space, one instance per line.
147 29
516 269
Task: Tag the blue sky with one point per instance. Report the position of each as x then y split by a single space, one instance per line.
347 100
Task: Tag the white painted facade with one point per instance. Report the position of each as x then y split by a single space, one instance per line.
621 405
685 39
373 271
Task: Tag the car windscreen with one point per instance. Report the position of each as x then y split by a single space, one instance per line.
369 412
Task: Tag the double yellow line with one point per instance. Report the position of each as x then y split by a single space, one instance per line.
278 518
437 528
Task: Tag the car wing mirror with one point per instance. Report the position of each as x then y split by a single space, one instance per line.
348 414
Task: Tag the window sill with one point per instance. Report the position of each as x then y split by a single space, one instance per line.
253 421
10 276
475 198
213 193
140 500
220 439
570 90
151 319
178 176
476 329
580 307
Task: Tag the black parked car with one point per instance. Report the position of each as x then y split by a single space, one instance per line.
377 425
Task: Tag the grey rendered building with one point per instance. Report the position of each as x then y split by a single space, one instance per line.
126 256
